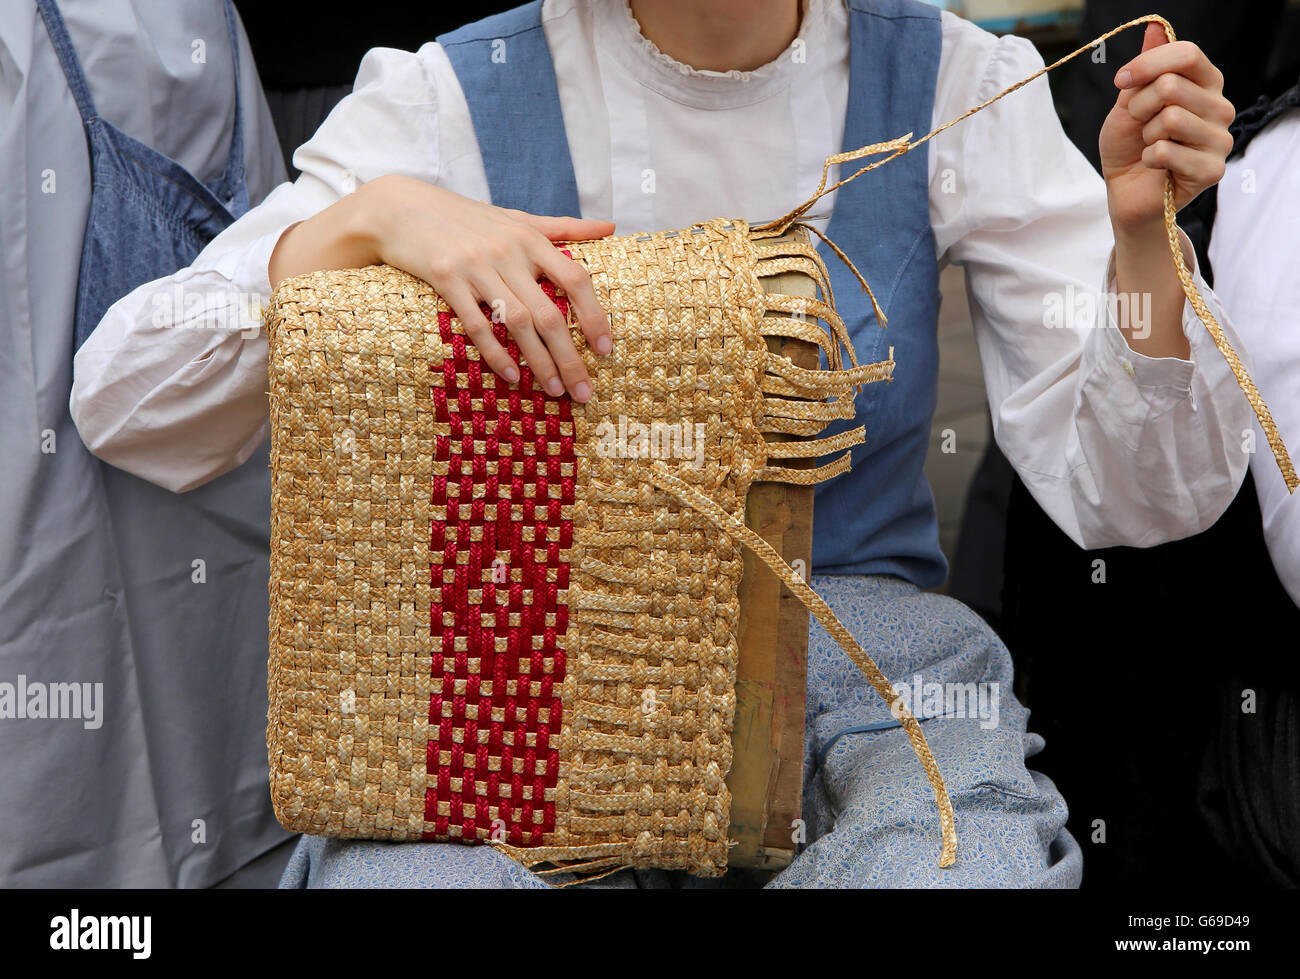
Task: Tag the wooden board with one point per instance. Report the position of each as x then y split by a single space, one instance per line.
766 779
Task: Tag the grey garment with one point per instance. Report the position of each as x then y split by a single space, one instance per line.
167 785
264 873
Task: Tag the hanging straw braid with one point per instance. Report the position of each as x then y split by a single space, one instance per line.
660 475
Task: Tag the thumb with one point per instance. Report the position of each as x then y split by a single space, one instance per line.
568 229
1154 37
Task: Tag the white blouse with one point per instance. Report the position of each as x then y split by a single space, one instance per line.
1253 254
1117 447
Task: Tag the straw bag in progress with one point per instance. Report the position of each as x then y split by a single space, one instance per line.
489 627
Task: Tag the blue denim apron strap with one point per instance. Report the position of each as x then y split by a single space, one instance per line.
62 42
231 188
148 215
504 67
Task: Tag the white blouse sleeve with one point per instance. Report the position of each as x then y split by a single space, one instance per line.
1117 447
171 385
1253 252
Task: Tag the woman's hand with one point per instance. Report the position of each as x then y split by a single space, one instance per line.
471 253
1170 116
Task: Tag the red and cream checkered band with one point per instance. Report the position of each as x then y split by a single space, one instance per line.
503 489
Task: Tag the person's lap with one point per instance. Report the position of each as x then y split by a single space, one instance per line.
870 817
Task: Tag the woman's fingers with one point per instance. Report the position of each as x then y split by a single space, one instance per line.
1168 90
1180 58
514 312
576 283
1170 115
1191 167
479 330
473 252
549 324
566 229
1177 124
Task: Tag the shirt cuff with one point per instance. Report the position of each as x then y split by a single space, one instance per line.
1162 381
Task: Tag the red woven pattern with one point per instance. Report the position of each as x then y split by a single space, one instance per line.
500 526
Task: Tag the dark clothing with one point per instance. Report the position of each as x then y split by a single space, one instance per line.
1140 699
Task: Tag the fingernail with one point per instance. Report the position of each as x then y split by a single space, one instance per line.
555 387
512 375
1124 79
604 345
582 391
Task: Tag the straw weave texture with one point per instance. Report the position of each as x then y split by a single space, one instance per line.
484 625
